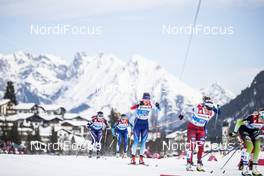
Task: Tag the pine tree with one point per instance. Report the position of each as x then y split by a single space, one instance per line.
113 118
10 92
54 136
36 136
29 140
72 143
6 133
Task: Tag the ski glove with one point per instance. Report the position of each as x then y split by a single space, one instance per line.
89 124
180 116
233 134
218 109
157 105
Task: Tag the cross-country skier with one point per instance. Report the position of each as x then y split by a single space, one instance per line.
96 125
250 131
140 131
196 130
121 130
243 151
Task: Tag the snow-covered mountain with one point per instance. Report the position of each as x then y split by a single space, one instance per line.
100 82
219 94
104 82
37 78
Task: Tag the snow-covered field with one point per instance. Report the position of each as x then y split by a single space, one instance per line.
45 165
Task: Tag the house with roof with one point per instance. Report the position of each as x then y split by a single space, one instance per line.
24 108
176 142
31 117
6 107
77 127
53 109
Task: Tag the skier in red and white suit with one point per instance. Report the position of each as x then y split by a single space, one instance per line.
196 130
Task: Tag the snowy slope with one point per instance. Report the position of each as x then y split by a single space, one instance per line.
219 94
43 165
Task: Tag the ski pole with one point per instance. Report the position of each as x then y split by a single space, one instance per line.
235 150
89 133
230 152
111 144
213 150
80 148
216 118
105 138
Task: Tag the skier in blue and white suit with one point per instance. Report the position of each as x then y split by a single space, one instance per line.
122 129
141 127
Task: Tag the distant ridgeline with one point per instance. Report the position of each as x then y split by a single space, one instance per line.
245 103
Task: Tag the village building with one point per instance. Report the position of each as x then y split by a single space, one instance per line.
30 117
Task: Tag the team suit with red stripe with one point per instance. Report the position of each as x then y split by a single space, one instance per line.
120 130
96 126
196 130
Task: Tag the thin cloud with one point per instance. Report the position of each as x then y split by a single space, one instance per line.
77 8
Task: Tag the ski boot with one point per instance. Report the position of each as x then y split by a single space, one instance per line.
117 155
240 165
255 171
90 154
250 165
97 154
141 161
199 167
133 160
189 167
245 171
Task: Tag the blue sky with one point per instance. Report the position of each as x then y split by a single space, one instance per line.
135 27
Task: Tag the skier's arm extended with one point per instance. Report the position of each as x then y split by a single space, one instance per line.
130 125
107 126
113 129
130 129
134 107
113 132
183 112
89 123
216 109
239 123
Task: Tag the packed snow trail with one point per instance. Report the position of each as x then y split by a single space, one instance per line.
44 165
